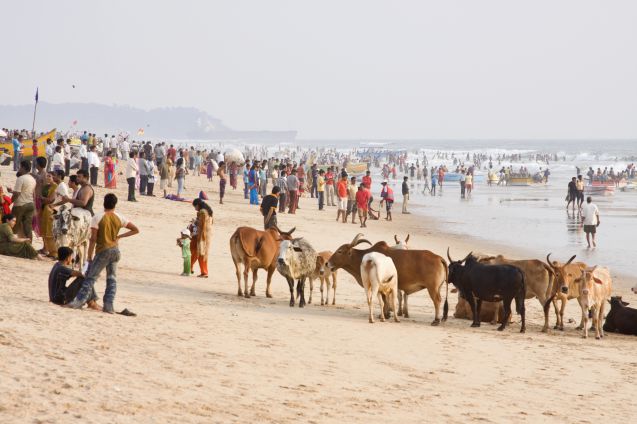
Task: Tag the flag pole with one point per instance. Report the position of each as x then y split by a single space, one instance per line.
35 109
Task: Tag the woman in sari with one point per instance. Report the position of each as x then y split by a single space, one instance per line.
110 181
11 244
201 237
47 196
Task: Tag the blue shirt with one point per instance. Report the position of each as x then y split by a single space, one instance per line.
16 145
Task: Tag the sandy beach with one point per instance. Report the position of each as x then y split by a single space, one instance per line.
197 352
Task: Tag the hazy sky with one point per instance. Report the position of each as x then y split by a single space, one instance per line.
339 69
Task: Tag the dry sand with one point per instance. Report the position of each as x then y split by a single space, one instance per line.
197 352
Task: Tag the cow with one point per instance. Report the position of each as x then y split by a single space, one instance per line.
621 319
296 261
256 249
595 290
401 244
565 287
491 312
71 228
417 269
323 273
538 277
402 297
491 283
380 277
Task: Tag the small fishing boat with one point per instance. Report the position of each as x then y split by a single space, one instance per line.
454 177
600 188
519 180
27 150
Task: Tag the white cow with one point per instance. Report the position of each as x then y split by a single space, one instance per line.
71 228
595 290
379 276
403 310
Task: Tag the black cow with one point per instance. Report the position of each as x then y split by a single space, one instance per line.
621 319
492 283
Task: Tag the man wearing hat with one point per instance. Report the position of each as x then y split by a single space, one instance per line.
387 196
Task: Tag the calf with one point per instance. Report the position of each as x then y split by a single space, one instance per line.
595 290
621 319
296 261
323 273
380 277
491 283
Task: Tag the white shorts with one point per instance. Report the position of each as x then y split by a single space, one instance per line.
342 204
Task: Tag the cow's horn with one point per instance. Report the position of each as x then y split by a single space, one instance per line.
362 241
358 237
571 260
548 261
467 257
448 255
396 239
407 239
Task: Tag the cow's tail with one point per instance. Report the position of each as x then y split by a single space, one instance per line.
520 304
445 308
552 290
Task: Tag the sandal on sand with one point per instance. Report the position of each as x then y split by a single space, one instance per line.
127 313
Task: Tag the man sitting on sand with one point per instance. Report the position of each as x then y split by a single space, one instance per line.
59 292
105 228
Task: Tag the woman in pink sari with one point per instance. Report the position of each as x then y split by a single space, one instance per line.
110 181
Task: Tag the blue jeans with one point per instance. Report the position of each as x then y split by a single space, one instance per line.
16 160
246 189
105 259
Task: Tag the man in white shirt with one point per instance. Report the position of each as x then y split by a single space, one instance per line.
93 163
84 156
124 146
62 190
50 151
67 157
22 199
132 169
590 220
58 159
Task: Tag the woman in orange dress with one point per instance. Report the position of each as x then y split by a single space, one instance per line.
201 237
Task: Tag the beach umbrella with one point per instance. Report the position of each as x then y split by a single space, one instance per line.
2 133
233 155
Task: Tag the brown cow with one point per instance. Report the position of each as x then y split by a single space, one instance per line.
538 278
491 312
568 276
256 249
417 269
323 274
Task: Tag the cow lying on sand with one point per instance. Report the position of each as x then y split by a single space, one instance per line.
491 312
621 318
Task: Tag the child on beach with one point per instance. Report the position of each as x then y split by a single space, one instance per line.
184 243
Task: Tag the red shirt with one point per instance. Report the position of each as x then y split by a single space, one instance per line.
367 181
362 199
342 189
329 178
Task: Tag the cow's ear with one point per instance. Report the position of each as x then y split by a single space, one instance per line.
624 303
297 249
597 280
75 218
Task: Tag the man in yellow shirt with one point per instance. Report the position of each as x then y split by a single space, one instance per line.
104 241
320 189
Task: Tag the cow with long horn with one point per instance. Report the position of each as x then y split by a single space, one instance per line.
417 269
